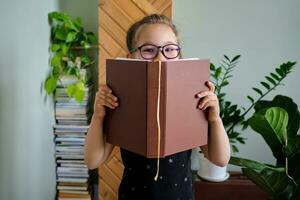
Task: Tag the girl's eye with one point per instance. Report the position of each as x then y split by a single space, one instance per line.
148 50
169 49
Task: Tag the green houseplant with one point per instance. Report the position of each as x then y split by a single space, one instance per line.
70 57
234 115
277 121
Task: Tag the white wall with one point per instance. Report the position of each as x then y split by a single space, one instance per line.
27 164
27 169
266 34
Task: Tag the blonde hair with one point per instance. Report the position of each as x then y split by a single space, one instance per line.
150 19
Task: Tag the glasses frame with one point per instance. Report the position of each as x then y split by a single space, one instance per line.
159 48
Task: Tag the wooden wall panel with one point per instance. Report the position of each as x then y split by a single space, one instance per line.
115 18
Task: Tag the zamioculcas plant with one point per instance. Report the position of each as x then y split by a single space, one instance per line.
234 115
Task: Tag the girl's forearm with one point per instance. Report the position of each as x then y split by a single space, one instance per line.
95 144
218 151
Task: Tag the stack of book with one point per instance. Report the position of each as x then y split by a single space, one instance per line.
74 180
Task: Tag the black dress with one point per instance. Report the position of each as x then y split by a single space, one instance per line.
174 180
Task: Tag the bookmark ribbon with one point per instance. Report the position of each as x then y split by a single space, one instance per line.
158 120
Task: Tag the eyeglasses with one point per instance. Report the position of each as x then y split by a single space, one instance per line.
150 51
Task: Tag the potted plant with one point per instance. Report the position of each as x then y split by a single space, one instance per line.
277 121
70 60
233 115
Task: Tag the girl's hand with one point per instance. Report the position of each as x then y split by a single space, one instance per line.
104 97
209 100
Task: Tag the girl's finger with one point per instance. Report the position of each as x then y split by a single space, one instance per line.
204 93
106 103
211 86
109 101
207 99
108 95
106 88
209 104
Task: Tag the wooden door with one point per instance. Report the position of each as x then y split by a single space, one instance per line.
115 18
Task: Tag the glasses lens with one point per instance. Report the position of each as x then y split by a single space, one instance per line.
171 51
149 51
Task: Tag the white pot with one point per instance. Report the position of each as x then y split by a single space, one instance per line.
195 159
211 172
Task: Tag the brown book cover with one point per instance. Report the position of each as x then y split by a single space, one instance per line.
134 124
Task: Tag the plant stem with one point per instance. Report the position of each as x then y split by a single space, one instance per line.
253 104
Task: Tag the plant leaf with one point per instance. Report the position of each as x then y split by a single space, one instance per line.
258 91
218 73
50 84
235 58
266 85
287 104
278 120
259 124
71 37
271 80
250 98
275 76
280 72
226 58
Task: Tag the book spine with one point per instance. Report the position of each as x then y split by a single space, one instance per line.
153 126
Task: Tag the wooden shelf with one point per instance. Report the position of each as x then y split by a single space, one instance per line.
235 188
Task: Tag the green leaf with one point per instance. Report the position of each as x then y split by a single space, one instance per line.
221 96
278 120
287 104
70 25
280 72
274 182
271 80
79 95
275 76
71 90
228 76
56 60
212 66
241 140
226 58
266 85
224 83
218 73
50 84
61 34
55 47
77 23
259 124
250 98
65 49
71 37
234 149
91 37
85 44
258 91
236 58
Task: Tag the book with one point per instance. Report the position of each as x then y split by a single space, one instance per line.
157 113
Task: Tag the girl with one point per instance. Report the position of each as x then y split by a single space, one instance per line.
155 37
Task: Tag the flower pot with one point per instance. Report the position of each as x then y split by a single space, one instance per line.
211 172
